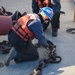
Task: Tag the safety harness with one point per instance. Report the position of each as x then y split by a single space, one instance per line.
53 58
21 28
43 3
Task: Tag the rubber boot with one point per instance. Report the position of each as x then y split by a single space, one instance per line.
54 32
11 56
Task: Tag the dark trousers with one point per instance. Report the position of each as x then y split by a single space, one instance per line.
55 22
25 50
45 25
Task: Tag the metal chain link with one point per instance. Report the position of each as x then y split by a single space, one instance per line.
53 58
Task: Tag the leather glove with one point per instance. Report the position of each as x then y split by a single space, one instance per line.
50 45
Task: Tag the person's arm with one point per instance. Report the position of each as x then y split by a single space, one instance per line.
37 28
35 7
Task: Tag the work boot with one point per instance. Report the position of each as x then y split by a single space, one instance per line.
54 32
11 56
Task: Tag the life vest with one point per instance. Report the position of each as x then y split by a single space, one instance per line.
5 24
21 29
44 3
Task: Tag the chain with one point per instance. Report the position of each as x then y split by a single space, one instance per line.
5 47
53 58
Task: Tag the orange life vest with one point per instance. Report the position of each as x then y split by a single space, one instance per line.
44 3
21 29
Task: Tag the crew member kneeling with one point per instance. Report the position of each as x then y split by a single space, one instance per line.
23 32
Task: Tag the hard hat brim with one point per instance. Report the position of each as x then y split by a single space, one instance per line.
45 13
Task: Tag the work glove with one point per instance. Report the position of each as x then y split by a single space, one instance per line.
50 45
